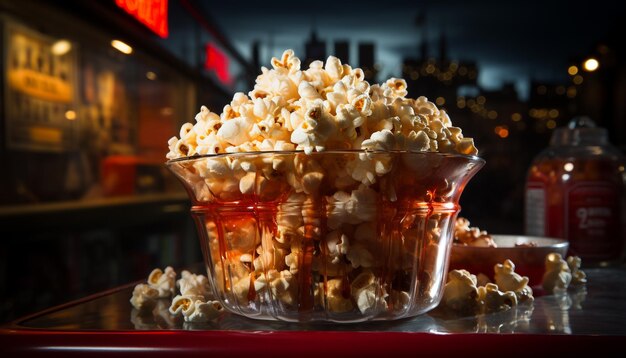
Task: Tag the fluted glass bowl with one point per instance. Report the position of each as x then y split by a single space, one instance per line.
342 236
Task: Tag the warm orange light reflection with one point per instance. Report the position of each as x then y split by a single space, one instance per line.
501 131
578 79
122 47
591 64
70 115
61 47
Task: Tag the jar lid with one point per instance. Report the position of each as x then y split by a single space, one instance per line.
580 130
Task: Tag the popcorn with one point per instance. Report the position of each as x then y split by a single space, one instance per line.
314 130
508 280
460 291
557 276
191 302
192 284
282 285
163 282
337 302
578 277
338 245
194 309
183 304
328 106
463 294
204 311
492 299
471 236
366 292
144 298
355 208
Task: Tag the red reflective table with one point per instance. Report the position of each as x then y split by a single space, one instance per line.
591 319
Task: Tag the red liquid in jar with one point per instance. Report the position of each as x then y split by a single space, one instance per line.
577 199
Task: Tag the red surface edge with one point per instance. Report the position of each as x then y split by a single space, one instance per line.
297 344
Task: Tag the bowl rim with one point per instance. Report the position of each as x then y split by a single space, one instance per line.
472 158
558 243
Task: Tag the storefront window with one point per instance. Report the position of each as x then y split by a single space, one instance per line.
94 119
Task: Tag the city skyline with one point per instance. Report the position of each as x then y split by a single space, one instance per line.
497 36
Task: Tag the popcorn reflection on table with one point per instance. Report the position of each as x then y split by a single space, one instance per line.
512 320
158 318
556 309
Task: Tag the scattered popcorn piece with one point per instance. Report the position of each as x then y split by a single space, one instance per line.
183 304
508 280
194 309
192 284
557 276
492 299
163 282
579 277
191 302
204 311
144 298
460 291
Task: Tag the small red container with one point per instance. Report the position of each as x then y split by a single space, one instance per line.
575 191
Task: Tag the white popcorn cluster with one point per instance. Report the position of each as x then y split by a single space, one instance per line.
561 274
144 298
471 236
579 277
508 280
193 301
194 308
192 284
163 281
462 295
460 292
329 106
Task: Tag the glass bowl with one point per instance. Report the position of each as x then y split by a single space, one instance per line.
528 253
342 236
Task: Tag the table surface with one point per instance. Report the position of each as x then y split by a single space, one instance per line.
106 323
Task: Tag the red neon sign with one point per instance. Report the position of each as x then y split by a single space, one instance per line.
151 13
218 62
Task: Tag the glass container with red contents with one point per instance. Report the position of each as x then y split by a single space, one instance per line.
575 190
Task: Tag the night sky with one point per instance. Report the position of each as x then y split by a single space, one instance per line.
511 40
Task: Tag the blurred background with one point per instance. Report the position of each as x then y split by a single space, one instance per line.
92 90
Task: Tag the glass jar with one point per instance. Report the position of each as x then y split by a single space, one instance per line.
575 191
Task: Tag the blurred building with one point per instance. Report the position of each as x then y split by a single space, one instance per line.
314 49
367 60
91 93
342 50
